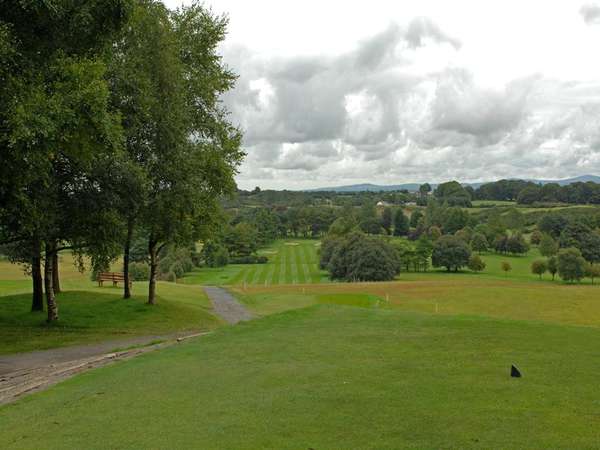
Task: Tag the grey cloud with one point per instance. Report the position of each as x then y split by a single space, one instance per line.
590 13
462 107
366 116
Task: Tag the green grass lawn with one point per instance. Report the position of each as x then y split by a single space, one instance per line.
90 314
291 261
333 377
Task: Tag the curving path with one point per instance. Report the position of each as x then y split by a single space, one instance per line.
226 306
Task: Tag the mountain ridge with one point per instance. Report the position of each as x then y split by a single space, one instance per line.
369 187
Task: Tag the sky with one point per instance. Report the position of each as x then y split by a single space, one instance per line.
343 92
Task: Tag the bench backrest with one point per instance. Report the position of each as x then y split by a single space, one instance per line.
112 276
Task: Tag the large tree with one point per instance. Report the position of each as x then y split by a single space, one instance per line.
56 125
167 79
450 252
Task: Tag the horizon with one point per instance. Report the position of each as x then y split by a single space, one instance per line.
426 90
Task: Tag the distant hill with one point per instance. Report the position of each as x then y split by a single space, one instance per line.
368 187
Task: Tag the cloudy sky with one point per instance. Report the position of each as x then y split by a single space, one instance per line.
343 92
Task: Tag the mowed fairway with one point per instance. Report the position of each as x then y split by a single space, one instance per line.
333 377
290 262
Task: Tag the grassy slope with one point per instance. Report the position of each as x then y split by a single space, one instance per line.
91 314
291 261
333 377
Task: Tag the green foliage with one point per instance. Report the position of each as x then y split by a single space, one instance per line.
454 194
536 237
476 264
552 266
415 217
386 220
451 253
552 224
363 258
401 223
548 246
571 265
505 267
592 271
139 271
454 219
479 242
514 244
539 267
371 225
215 254
240 240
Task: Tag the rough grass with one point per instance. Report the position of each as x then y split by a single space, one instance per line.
333 377
505 299
291 261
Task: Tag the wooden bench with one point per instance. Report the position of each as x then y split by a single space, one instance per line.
115 277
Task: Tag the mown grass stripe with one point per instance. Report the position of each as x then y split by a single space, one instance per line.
300 263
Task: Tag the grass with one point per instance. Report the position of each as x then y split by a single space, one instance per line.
291 261
333 377
501 299
91 314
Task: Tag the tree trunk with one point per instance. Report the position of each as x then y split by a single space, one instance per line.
153 264
126 289
55 274
37 301
51 305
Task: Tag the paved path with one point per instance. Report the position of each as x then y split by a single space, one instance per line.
32 360
24 373
226 306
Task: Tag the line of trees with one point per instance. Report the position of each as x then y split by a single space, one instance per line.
111 126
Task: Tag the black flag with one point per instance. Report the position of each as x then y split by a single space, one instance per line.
514 372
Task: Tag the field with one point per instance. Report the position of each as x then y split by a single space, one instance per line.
421 362
335 377
92 314
290 262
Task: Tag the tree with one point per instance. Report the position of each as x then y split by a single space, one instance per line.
451 253
415 217
506 267
215 254
434 233
358 257
167 80
479 242
464 234
401 223
476 264
539 267
371 225
536 237
548 246
57 129
423 251
552 224
529 195
406 253
386 220
454 220
571 265
241 240
454 194
517 244
592 271
552 266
